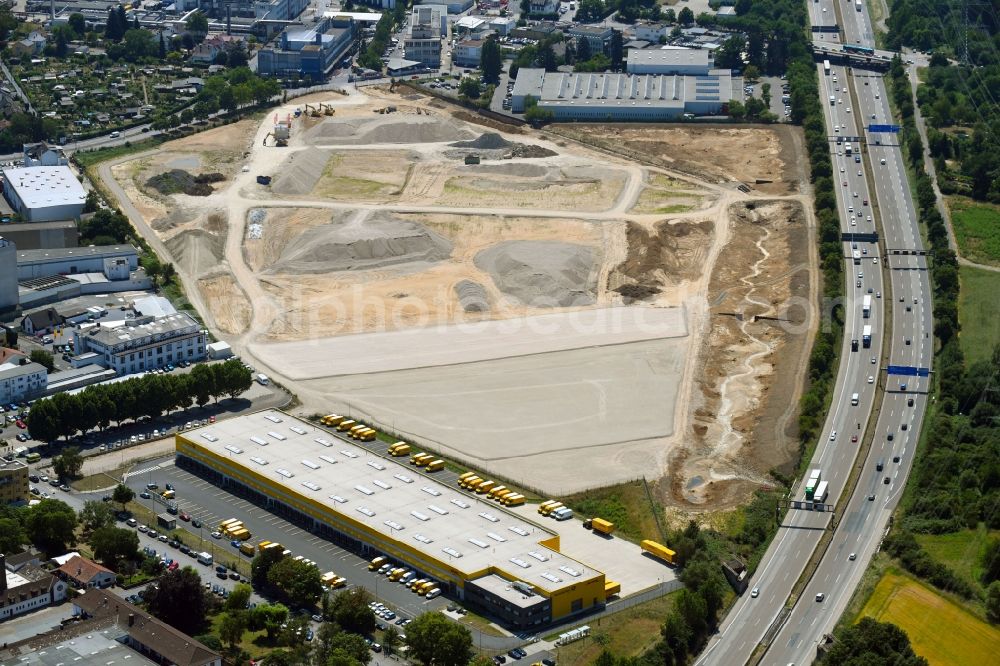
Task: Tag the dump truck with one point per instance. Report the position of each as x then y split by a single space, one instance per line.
601 525
435 466
659 551
485 487
542 508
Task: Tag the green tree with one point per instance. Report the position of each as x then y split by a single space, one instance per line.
686 16
122 495
261 566
616 50
12 535
179 600
42 357
470 87
114 545
268 617
238 598
583 53
334 645
234 378
197 25
391 640
991 562
751 74
68 465
232 627
993 602
434 639
296 581
94 515
872 642
491 61
78 22
349 609
50 525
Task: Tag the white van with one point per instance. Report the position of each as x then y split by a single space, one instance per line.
263 379
854 398
434 593
115 134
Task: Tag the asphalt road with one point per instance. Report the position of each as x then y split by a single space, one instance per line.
860 527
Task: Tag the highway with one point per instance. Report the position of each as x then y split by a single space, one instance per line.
892 281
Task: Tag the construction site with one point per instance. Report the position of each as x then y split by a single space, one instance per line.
567 308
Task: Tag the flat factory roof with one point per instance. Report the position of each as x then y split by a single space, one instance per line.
40 187
621 90
397 501
669 57
119 331
68 253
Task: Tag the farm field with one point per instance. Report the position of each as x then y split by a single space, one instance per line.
977 230
978 313
926 616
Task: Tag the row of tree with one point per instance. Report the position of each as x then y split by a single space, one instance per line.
65 414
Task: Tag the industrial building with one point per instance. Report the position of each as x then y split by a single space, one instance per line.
44 193
474 548
42 235
690 62
308 51
8 275
622 97
422 40
144 343
468 53
103 259
13 486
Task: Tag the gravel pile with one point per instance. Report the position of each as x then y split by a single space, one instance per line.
300 174
487 141
542 273
472 296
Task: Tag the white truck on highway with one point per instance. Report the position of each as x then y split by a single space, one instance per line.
859 5
866 336
866 306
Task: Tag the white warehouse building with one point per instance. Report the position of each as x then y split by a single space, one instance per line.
622 97
140 344
691 62
44 193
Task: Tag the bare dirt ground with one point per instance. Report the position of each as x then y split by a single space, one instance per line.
373 224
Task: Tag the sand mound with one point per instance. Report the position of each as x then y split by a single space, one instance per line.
301 172
542 273
472 296
361 244
488 141
416 129
196 251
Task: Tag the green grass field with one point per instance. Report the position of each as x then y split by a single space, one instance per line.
977 230
960 551
978 313
927 617
626 505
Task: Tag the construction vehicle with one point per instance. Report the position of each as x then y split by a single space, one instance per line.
435 466
485 487
313 111
545 505
247 549
377 562
399 449
599 525
421 459
659 551
514 499
546 509
281 133
328 109
346 425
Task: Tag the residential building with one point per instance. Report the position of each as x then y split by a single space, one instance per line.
468 53
41 322
27 589
13 483
31 45
311 51
42 154
84 574
453 6
422 40
622 97
692 62
22 380
44 193
650 32
33 264
465 542
8 274
537 7
598 36
140 344
503 25
8 355
104 614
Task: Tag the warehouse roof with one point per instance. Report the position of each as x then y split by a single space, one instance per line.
669 57
65 253
40 187
400 502
120 331
621 90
